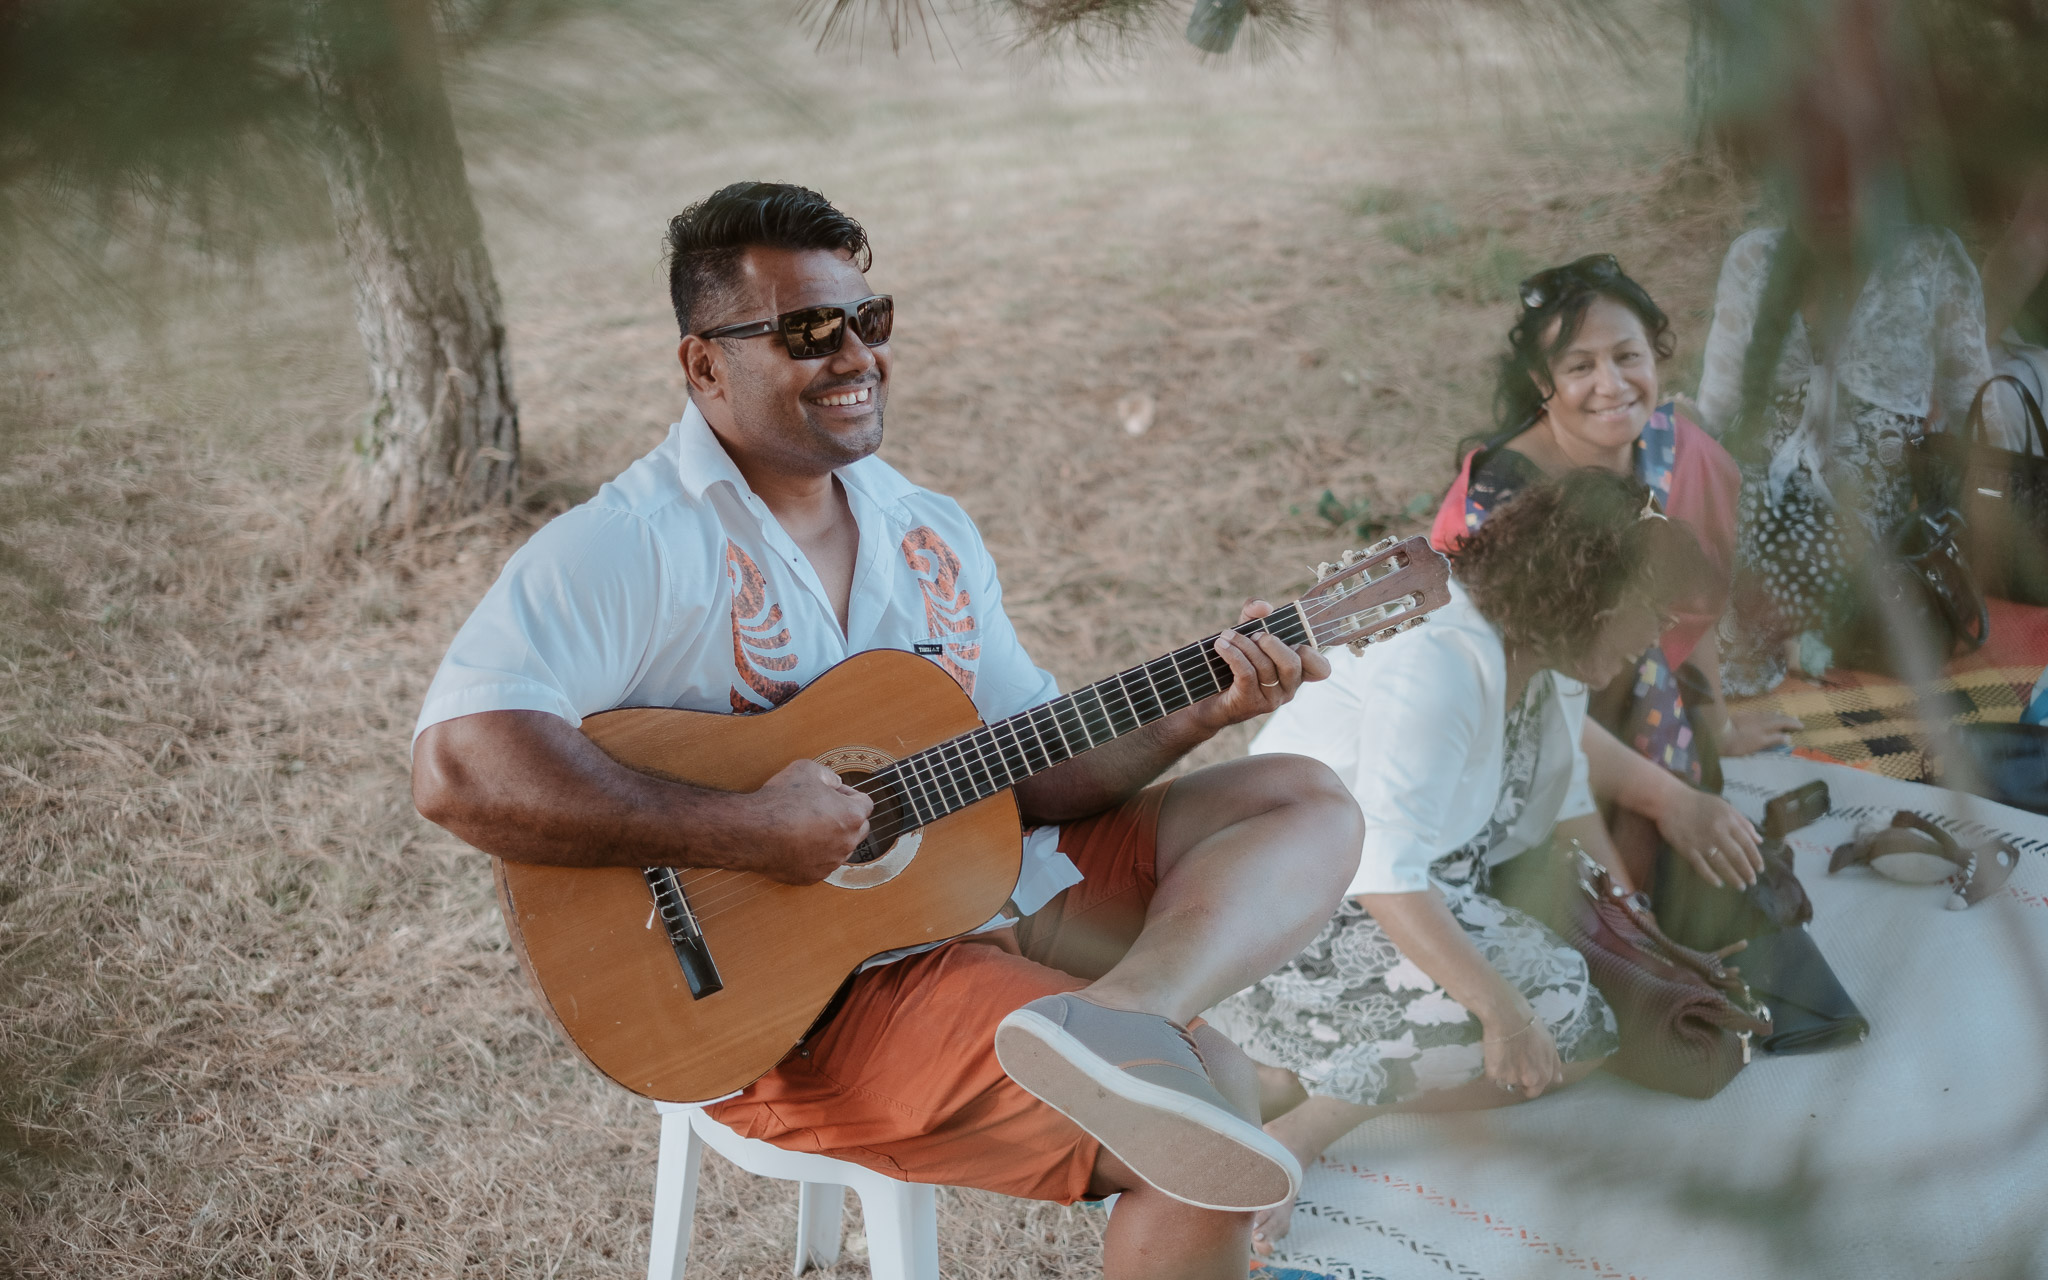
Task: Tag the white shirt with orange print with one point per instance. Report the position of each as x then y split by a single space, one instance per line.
676 587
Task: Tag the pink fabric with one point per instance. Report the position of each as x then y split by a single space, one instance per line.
1704 484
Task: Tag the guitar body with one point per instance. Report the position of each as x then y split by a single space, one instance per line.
604 966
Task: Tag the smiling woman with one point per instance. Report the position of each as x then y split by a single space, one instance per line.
1578 387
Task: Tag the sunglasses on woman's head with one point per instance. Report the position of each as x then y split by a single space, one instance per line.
1547 286
811 333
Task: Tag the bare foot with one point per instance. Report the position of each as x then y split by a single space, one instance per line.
1305 1130
1270 1226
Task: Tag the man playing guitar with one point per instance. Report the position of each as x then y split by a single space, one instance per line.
758 545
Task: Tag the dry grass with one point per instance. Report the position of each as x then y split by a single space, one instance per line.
256 1018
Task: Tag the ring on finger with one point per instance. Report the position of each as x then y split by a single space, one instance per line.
1507 1086
1268 684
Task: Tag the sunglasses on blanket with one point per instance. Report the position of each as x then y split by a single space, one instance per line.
811 333
1548 286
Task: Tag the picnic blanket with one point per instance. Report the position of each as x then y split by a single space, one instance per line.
1922 1152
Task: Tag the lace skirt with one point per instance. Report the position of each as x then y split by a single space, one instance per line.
1355 1019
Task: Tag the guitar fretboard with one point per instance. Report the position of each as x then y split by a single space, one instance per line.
944 779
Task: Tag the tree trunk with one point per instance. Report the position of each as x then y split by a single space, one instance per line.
441 437
1706 80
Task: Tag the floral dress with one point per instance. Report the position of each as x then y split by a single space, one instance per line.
1829 483
1354 1019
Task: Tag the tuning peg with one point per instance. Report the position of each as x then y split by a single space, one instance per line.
1383 544
1325 569
1348 559
1357 647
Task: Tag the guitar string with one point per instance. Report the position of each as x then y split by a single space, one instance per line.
959 777
1205 678
962 775
1209 666
709 907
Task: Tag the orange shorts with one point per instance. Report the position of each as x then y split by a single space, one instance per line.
903 1079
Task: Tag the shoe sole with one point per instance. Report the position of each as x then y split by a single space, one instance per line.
1185 1147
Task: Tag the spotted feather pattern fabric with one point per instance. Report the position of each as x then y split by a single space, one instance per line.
1794 551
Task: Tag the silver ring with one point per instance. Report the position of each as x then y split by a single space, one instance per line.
1507 1086
1269 684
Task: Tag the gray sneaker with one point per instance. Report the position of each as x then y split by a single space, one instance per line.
1135 1083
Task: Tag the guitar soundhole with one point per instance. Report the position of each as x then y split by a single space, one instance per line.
886 818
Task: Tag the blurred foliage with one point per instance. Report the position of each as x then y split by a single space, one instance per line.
151 95
1948 97
184 107
196 122
1214 25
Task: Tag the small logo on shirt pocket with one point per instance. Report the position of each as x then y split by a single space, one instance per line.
930 649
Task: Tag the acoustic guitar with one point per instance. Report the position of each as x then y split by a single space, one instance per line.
686 984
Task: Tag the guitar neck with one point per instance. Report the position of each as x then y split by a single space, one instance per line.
974 766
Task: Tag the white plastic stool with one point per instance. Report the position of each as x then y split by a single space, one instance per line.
902 1217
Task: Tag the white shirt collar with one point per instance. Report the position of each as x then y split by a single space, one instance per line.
701 461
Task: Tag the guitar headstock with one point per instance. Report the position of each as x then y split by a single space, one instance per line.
1376 593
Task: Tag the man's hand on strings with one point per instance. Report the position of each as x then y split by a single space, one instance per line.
809 823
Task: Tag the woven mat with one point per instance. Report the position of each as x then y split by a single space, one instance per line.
1921 1154
1884 726
1870 722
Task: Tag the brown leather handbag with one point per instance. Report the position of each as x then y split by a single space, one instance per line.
1686 1019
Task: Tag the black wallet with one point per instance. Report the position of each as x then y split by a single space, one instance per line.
1809 1009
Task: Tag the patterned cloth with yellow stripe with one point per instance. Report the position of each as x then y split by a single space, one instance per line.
1889 727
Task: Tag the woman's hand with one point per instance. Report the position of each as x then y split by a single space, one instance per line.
1712 835
1751 730
1521 1058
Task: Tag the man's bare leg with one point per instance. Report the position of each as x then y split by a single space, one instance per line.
1253 855
1309 1128
1151 1235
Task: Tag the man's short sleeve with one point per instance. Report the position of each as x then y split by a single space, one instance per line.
566 629
1007 680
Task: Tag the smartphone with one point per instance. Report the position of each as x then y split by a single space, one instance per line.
1784 814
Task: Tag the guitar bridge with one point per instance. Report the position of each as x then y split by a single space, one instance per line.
680 923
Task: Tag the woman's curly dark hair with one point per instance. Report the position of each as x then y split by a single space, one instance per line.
1522 385
1552 561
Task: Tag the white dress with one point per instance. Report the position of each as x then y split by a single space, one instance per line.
1452 782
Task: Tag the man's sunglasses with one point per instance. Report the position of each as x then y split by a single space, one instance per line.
814 332
1546 287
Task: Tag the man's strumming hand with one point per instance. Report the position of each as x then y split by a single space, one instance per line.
806 823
